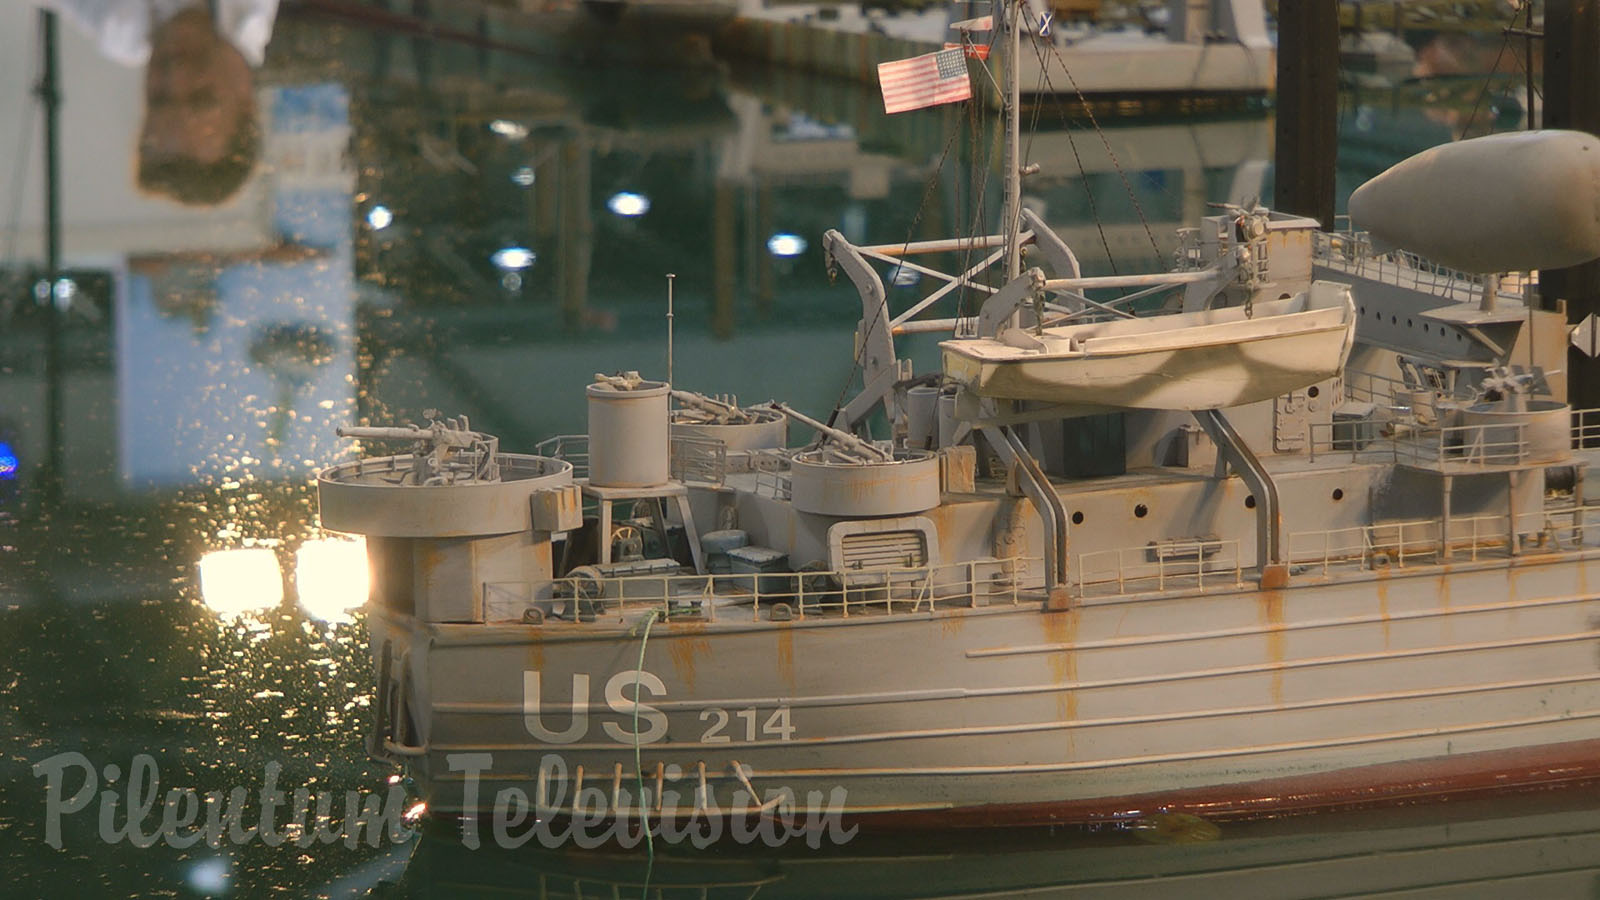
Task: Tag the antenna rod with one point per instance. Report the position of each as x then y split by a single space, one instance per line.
670 278
48 91
1013 204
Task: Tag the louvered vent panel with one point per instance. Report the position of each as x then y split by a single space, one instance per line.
885 549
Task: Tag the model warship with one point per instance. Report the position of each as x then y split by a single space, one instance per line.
1298 524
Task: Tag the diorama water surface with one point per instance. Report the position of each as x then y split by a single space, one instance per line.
436 226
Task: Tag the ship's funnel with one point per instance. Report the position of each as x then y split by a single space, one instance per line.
1502 203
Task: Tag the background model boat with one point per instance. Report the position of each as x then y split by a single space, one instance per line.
1201 56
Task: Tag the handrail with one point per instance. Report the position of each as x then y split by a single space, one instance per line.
1163 562
1489 446
774 484
854 592
1585 428
574 448
1401 542
1352 252
695 460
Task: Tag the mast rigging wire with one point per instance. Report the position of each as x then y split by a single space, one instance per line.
1106 142
911 230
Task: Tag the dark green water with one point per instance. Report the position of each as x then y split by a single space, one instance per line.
204 357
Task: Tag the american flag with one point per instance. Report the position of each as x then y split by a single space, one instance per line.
926 80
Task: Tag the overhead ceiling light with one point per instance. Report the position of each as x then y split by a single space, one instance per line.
511 131
629 204
379 217
513 259
523 176
785 244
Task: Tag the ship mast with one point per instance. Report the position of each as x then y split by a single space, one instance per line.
1012 211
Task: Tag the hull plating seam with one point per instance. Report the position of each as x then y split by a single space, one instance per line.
964 693
1028 727
1086 765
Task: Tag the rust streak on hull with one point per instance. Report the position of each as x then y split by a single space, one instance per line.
684 652
1272 618
1062 628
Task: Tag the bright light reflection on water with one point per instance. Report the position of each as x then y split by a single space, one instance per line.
209 876
331 576
235 582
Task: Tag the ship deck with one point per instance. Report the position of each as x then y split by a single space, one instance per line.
1319 546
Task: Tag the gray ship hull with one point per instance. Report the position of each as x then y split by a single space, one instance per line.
1235 699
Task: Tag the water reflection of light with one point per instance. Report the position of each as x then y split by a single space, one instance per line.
511 131
233 582
785 244
627 203
209 876
523 176
379 217
331 576
8 462
513 258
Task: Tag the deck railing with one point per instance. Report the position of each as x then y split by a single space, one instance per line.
695 460
574 448
1416 540
1158 565
1370 387
1585 428
1352 252
1456 448
692 460
776 595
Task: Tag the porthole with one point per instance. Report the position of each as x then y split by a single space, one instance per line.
1338 494
1141 511
1077 517
1313 391
1250 502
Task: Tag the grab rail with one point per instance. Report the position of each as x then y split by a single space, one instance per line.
1163 562
981 582
1402 542
1456 448
1352 252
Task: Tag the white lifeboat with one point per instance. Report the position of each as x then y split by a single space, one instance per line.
1209 359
